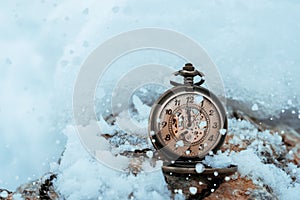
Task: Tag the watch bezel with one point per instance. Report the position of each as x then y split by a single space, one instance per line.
166 152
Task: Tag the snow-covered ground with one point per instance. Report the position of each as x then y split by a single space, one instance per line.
255 45
81 177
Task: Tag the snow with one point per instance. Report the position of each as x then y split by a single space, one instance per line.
142 109
17 197
255 107
200 168
4 194
216 173
198 99
202 124
43 51
220 161
82 177
193 190
227 178
179 143
222 131
107 128
253 161
149 154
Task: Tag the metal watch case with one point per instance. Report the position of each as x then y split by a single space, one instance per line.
188 121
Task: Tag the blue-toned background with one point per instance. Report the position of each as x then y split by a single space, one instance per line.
255 45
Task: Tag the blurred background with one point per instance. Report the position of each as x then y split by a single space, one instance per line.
255 45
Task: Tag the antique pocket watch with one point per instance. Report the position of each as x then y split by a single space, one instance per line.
187 123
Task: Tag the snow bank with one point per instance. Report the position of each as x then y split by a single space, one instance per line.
259 159
82 177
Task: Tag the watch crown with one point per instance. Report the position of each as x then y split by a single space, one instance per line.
189 72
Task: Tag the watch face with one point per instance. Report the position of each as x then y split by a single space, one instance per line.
187 123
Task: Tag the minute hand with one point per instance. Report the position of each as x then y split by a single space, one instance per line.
196 117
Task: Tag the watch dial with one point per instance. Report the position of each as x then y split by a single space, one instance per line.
188 125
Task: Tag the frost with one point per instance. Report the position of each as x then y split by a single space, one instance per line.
200 168
193 190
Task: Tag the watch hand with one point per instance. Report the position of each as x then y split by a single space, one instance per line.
183 135
196 117
185 132
189 117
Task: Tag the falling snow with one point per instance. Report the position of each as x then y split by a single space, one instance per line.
56 45
200 168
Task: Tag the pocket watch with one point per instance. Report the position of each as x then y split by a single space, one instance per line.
187 123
